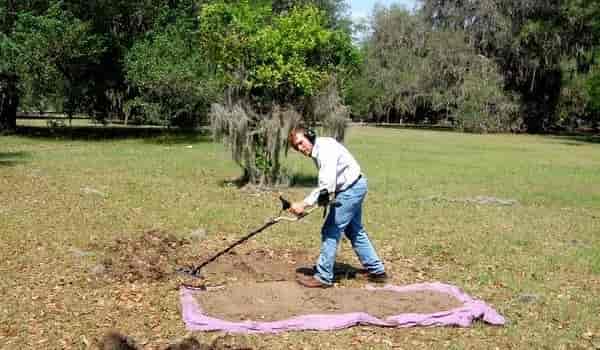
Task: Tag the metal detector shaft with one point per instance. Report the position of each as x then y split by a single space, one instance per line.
196 269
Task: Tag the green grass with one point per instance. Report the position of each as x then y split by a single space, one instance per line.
59 194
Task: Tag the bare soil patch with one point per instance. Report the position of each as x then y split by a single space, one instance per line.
155 255
273 301
258 265
257 283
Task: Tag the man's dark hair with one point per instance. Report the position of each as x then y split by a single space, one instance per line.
308 133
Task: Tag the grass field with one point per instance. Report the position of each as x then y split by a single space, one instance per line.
512 219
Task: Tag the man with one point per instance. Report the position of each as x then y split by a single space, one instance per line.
339 174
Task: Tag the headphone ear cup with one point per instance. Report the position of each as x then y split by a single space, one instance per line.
310 135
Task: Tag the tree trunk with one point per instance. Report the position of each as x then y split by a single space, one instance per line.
9 102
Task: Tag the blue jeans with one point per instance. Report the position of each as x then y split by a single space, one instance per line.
346 217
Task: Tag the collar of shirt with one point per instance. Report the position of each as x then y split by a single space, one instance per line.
337 167
315 150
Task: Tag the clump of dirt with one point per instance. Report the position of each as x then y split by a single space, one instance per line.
274 301
150 257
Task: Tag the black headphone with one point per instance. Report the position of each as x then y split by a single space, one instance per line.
310 135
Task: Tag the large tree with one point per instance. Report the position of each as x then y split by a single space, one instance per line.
45 48
276 67
335 11
414 74
9 101
69 55
9 58
529 40
121 23
173 78
56 49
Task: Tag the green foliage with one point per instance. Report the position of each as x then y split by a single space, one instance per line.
48 52
528 40
364 97
412 74
482 105
173 75
463 87
139 111
335 11
282 49
226 30
297 54
592 88
269 59
274 58
579 106
389 78
581 25
9 54
99 56
121 23
574 98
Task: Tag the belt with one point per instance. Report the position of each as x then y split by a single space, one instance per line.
352 184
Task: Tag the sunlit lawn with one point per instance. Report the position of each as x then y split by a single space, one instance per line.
532 250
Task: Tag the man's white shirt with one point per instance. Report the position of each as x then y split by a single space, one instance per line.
337 167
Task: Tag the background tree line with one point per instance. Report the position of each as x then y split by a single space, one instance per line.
484 65
255 68
141 61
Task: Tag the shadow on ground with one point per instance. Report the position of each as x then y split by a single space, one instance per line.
342 271
13 158
99 133
298 180
571 138
428 127
577 139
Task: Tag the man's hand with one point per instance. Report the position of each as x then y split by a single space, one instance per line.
297 208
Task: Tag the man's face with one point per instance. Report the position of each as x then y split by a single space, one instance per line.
302 144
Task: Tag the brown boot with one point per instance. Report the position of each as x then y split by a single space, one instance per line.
311 282
378 278
374 278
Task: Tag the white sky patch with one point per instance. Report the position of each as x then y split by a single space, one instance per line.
359 15
361 9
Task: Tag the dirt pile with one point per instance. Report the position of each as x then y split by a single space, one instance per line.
150 257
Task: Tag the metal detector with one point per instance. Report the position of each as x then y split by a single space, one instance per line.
323 201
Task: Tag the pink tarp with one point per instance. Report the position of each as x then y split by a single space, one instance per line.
464 316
